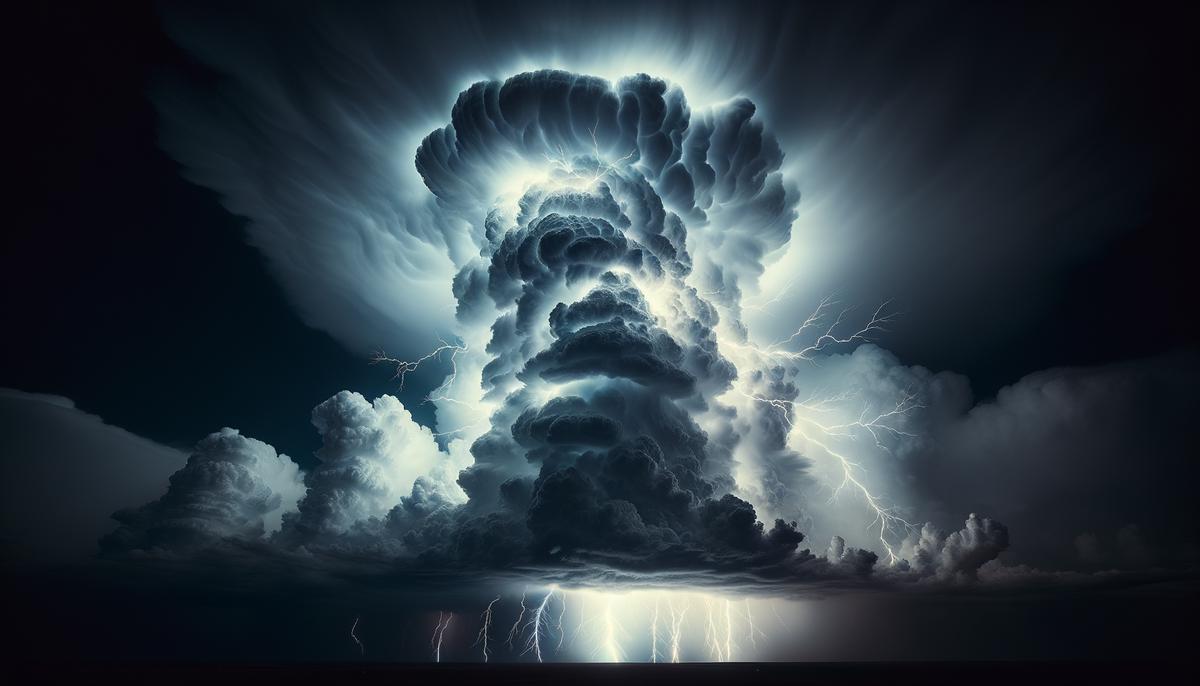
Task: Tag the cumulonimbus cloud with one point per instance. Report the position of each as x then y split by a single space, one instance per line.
613 415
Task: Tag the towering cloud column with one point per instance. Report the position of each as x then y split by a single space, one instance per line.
602 359
607 416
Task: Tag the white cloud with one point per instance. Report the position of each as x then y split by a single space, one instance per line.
371 455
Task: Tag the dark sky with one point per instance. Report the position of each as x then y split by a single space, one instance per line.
128 289
1015 176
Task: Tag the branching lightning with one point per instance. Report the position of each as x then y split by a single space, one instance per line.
435 642
806 416
559 162
886 517
442 392
404 368
485 630
711 633
676 628
727 625
538 625
877 426
822 419
515 631
612 646
751 629
830 335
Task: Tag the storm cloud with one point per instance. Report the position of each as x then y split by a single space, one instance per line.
231 487
605 429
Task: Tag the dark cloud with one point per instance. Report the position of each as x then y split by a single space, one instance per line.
1104 449
617 298
583 281
585 287
619 308
565 421
959 555
52 449
232 487
840 554
616 477
619 350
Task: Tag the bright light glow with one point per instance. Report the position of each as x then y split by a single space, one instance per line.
439 635
639 625
822 421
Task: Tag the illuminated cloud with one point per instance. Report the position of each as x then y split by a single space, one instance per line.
620 421
231 487
371 456
610 417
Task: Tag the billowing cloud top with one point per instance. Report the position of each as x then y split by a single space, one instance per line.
231 487
604 429
608 417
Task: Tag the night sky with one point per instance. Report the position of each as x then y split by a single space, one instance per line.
225 211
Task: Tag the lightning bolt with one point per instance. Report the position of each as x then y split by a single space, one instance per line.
534 643
515 631
886 517
405 367
603 167
877 425
442 392
611 630
605 632
583 619
803 416
729 624
354 636
435 642
676 629
877 324
751 628
562 611
654 632
483 637
728 632
711 634
829 336
535 636
538 624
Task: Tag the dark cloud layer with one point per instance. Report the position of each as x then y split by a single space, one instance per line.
1104 449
